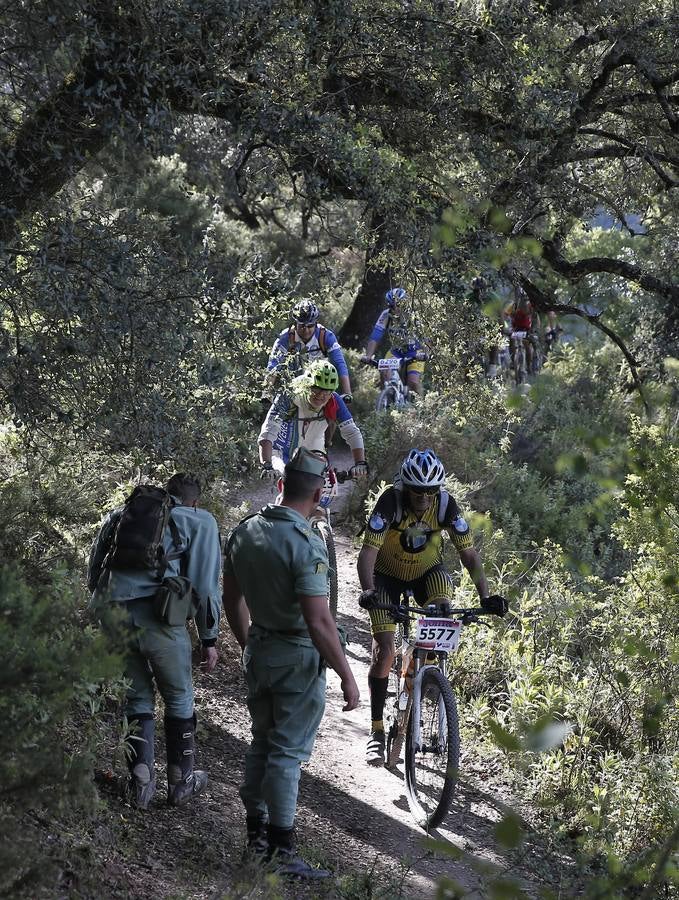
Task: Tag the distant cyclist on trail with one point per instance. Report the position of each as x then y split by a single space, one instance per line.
521 317
402 548
394 322
300 419
301 343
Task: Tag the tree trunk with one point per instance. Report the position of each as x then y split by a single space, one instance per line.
369 301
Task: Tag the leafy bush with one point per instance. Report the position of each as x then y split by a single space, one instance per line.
52 670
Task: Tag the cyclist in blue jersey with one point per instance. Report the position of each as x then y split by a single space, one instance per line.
394 322
303 342
300 419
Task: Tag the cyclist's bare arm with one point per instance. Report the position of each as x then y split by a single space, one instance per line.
265 452
471 560
370 348
345 384
323 633
366 567
235 609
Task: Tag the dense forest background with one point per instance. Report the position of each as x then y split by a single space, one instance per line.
174 175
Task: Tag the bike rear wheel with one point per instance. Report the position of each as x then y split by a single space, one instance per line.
519 364
431 770
326 534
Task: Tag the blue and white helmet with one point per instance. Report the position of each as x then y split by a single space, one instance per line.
305 312
422 469
394 296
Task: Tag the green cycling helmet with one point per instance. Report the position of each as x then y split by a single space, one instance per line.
323 374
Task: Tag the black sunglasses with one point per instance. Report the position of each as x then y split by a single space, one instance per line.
428 491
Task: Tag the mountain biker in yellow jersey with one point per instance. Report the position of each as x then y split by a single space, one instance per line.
404 345
402 548
300 419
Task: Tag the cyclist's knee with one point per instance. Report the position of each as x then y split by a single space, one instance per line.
383 652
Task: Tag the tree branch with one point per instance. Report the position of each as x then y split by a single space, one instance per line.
542 303
593 264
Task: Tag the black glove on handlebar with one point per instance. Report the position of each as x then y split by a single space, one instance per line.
495 604
367 599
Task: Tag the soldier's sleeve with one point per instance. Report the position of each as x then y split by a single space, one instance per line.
203 571
310 564
380 519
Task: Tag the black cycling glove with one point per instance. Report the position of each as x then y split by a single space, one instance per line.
495 604
367 599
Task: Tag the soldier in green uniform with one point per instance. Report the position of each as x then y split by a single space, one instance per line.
158 655
275 600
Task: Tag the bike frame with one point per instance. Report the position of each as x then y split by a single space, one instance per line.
419 654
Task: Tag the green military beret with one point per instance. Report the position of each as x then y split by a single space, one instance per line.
313 462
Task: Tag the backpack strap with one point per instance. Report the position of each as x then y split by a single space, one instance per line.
179 551
291 339
444 497
398 498
322 339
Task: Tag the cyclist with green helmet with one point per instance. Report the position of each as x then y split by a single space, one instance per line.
300 419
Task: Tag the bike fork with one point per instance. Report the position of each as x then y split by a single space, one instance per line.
417 706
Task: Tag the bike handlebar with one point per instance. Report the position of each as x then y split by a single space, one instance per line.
417 356
401 610
342 475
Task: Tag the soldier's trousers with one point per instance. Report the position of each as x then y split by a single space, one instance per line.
160 653
286 699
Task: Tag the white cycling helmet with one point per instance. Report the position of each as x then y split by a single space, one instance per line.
394 296
305 312
422 470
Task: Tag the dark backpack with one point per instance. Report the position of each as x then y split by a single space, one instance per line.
138 537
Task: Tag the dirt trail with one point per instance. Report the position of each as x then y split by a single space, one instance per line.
351 817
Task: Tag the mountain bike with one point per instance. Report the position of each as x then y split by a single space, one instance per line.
394 393
424 714
518 356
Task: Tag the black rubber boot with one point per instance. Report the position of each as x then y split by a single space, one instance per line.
282 854
141 759
183 781
258 840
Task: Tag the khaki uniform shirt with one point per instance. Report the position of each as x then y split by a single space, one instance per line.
275 556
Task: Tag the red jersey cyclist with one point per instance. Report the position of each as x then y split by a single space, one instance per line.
523 323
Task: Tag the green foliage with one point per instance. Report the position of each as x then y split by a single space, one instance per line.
52 673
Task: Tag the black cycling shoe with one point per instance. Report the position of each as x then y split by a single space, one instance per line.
374 752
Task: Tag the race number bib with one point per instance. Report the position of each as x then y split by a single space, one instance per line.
438 634
389 364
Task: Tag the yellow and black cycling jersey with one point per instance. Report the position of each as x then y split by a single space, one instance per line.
410 546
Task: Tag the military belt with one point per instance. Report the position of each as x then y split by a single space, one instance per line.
286 632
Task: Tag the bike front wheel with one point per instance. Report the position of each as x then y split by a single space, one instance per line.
432 767
326 534
386 399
